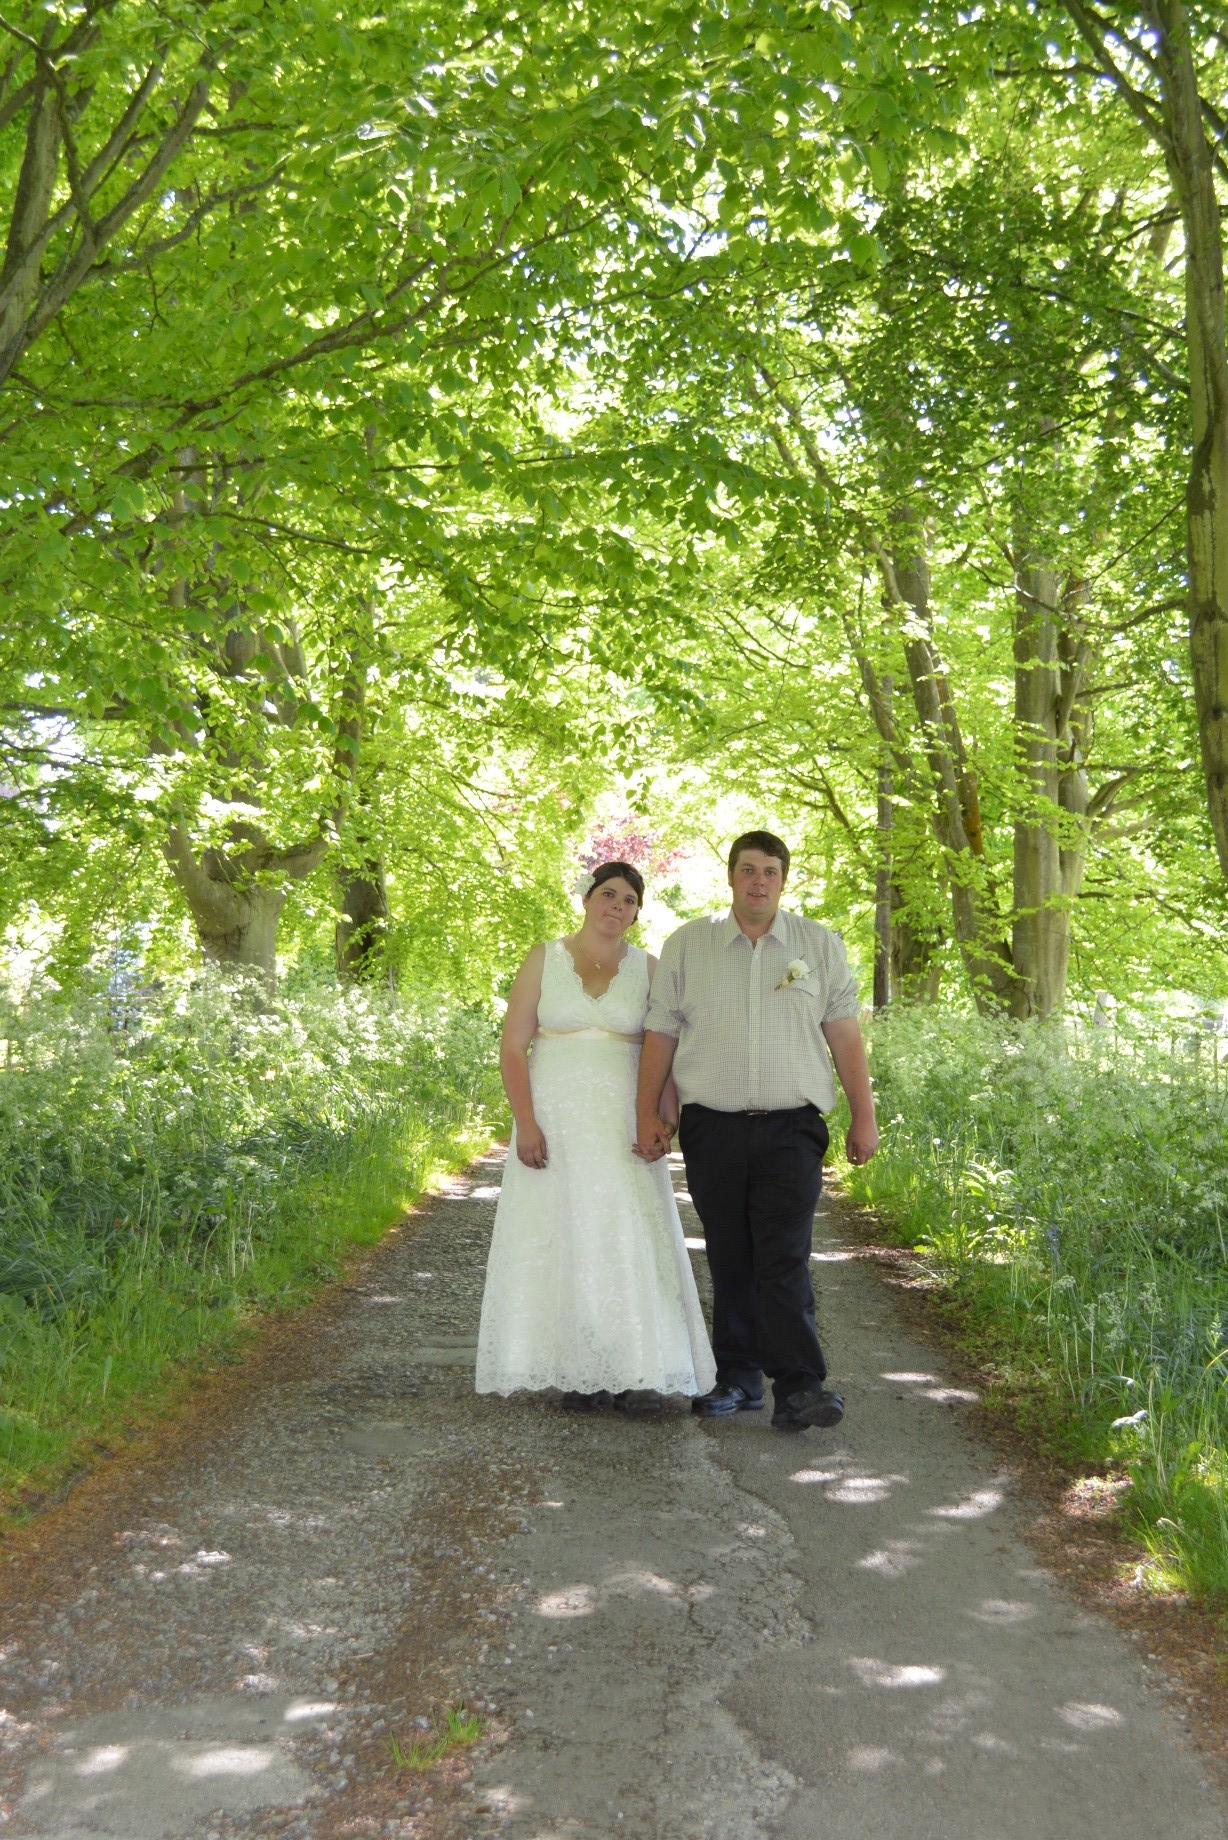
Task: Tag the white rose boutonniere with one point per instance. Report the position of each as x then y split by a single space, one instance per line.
798 968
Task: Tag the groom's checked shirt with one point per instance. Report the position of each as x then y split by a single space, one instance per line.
749 1035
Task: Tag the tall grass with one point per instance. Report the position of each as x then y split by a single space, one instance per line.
1070 1186
171 1169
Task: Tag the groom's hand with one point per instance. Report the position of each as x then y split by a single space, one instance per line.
861 1141
653 1138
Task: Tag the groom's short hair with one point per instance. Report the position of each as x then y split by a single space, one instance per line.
760 840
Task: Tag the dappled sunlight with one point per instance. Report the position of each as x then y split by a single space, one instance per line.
993 1745
932 1386
894 1559
973 1507
1089 1717
840 1257
863 1491
206 1559
895 1675
489 1191
1095 1498
105 1757
639 1581
694 1245
574 1600
858 1491
501 1798
1002 1613
579 1600
224 1760
865 1759
308 1709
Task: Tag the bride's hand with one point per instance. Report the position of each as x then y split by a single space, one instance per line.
531 1147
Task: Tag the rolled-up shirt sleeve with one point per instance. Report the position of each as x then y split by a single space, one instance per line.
664 1015
842 998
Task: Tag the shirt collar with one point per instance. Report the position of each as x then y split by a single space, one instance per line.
731 930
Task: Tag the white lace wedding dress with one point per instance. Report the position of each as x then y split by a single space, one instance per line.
588 1284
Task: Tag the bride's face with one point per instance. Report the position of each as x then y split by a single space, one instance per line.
611 907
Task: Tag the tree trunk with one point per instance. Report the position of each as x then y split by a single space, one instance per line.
1074 739
1189 159
957 809
1177 127
916 967
1052 826
235 897
19 274
882 880
956 803
1040 933
362 931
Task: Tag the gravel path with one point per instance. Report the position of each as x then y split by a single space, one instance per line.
671 1630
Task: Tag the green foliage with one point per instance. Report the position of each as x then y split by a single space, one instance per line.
446 349
459 1729
175 1161
1069 1187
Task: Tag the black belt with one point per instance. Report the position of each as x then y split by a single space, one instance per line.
777 1111
756 1111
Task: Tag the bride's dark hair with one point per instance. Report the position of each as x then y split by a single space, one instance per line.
606 872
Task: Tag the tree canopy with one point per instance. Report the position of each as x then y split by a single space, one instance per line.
420 422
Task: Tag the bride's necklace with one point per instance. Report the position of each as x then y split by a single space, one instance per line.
602 964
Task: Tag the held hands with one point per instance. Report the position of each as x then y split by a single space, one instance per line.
861 1141
655 1136
531 1146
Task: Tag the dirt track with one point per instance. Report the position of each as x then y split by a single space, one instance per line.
672 1630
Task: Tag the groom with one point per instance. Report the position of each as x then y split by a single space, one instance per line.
749 1010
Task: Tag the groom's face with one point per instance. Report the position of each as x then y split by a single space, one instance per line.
757 881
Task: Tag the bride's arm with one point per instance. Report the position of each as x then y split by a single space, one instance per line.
670 1105
519 1028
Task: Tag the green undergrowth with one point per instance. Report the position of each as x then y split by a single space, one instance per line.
1066 1188
459 1729
170 1175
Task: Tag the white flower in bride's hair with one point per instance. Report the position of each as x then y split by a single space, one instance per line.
582 884
798 968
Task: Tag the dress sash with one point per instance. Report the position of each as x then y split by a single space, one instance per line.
593 1034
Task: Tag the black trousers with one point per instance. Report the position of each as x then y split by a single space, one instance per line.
755 1178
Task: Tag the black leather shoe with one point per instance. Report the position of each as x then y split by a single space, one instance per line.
813 1406
722 1401
581 1402
639 1402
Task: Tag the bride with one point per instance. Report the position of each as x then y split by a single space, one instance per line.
588 1284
